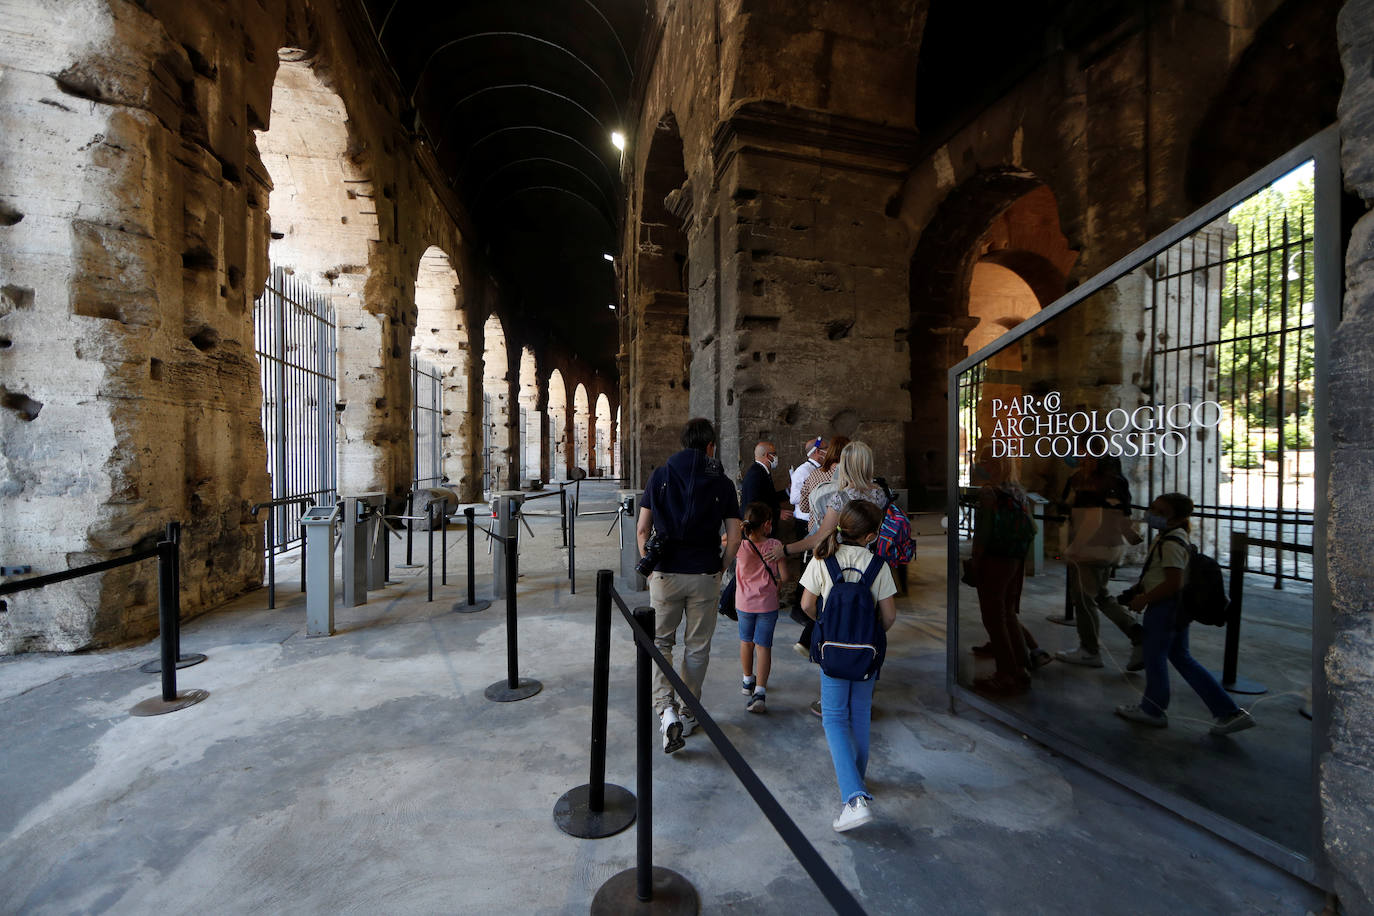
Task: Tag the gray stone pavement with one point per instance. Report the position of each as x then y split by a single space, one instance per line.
368 773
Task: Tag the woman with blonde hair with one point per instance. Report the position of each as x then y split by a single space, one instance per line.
853 480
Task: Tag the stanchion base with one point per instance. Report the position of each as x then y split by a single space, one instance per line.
183 661
410 566
465 608
1242 685
1061 620
671 892
502 692
574 818
157 706
1305 710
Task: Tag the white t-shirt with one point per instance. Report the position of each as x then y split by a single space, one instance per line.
1167 555
816 578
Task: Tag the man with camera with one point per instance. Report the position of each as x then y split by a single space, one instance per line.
685 504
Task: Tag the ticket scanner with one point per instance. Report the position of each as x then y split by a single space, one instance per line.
319 522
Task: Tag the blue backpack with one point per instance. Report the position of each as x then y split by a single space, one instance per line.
848 642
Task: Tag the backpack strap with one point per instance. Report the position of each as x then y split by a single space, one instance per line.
766 567
875 566
832 566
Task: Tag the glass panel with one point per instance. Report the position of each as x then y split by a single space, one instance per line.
1193 374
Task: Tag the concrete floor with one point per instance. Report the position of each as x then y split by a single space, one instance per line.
368 773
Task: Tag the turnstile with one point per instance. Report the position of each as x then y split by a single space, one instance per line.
364 556
505 509
319 523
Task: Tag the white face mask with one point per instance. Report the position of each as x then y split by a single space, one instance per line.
773 463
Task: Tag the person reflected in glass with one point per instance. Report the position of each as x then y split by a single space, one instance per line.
1157 596
1098 499
1003 529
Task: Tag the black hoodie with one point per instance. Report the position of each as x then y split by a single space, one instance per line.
690 497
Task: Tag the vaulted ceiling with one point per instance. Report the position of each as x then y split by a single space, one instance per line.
518 100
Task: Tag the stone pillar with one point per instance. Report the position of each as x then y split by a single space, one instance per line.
660 383
813 306
1346 785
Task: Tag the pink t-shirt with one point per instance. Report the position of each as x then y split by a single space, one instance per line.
755 592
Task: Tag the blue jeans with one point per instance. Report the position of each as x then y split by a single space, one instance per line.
758 628
846 707
1164 643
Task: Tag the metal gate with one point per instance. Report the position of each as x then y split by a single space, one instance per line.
426 423
296 341
1231 320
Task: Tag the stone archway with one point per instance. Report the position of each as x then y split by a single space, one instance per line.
530 418
559 461
441 339
582 431
496 407
323 219
1007 220
603 438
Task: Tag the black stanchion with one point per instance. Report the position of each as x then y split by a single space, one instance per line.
429 567
1066 618
472 605
571 520
513 687
1233 682
183 660
563 510
666 890
169 621
443 542
597 810
410 532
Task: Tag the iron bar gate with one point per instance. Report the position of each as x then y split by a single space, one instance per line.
296 339
426 423
1231 319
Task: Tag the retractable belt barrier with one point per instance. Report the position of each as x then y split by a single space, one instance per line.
168 553
669 891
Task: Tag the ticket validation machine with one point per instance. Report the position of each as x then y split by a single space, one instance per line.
319 524
364 558
629 545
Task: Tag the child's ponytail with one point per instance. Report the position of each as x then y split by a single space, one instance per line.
858 520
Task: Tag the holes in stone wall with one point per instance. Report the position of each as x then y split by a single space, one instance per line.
839 328
26 407
9 216
205 339
15 298
198 258
5 343
155 369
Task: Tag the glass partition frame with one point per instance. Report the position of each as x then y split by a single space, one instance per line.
1323 150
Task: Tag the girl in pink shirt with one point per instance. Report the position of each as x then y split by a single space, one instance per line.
756 600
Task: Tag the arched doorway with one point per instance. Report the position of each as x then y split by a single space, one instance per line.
558 426
497 451
530 421
441 339
581 422
602 458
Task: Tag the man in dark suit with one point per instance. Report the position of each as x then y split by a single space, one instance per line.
758 485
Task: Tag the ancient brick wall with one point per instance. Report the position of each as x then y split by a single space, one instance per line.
1347 774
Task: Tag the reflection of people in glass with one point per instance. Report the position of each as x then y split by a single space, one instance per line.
1099 503
1166 629
1003 530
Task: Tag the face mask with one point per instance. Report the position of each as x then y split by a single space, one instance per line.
773 463
1157 522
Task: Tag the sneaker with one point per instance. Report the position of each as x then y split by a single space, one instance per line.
671 726
1080 656
816 707
855 814
801 650
689 723
1133 713
983 651
757 703
746 686
1137 662
1039 658
1237 721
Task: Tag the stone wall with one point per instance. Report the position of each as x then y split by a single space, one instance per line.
134 240
1347 770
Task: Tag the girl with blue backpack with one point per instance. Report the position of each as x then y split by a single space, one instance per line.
854 588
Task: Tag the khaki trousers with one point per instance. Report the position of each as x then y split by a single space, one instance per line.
675 597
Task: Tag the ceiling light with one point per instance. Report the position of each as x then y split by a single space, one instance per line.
609 257
618 140
611 306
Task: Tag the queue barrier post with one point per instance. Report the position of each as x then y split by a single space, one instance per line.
472 605
183 660
169 622
666 890
596 809
1229 679
514 687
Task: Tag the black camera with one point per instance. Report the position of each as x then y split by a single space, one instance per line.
653 551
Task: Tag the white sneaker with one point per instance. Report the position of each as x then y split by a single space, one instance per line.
671 727
1080 656
1235 722
689 723
855 814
